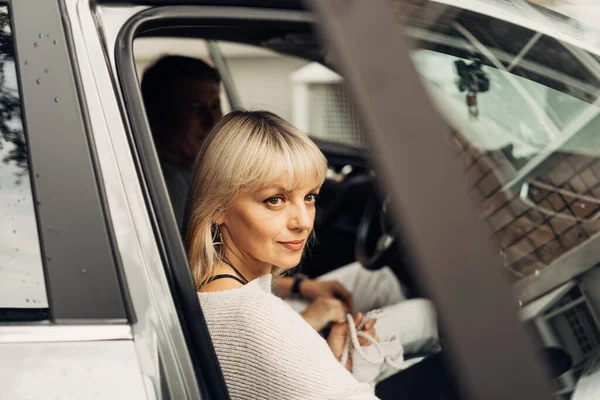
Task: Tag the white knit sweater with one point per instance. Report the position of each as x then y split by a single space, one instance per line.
267 351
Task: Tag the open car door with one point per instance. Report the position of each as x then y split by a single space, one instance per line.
447 244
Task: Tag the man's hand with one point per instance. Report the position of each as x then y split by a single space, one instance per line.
324 310
313 288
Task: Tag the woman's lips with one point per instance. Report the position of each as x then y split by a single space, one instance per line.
293 245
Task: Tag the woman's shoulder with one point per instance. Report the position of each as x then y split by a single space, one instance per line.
226 295
245 307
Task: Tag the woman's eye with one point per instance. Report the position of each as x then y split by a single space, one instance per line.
274 201
311 198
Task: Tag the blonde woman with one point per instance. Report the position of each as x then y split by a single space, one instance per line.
251 214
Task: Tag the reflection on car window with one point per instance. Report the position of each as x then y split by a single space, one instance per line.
21 272
520 126
519 91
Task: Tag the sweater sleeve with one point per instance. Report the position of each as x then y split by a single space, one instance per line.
267 351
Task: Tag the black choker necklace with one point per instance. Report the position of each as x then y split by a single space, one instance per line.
236 270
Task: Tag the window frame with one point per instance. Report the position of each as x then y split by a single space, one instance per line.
82 272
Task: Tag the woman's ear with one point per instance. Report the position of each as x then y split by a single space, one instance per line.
219 217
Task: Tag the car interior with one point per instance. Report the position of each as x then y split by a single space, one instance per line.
522 127
350 187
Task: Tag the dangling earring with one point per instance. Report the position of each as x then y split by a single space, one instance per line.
217 237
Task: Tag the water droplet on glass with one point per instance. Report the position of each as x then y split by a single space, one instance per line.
55 42
45 70
84 271
41 35
35 45
50 228
48 258
38 81
27 300
14 231
26 62
537 272
56 99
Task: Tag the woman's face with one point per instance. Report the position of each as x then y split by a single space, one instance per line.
270 226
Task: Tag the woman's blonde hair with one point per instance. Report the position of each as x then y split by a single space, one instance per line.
245 151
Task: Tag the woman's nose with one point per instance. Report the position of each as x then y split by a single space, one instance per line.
302 218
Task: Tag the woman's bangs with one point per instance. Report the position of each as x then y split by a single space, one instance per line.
299 163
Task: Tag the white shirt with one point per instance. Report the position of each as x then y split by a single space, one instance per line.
267 351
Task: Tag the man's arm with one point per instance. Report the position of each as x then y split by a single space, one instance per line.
313 288
283 286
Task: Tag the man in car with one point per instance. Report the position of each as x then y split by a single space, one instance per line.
182 100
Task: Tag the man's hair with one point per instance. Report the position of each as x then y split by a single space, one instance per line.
158 82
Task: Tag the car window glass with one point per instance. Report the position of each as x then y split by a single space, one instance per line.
506 119
22 283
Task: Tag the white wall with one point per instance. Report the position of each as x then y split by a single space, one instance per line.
264 82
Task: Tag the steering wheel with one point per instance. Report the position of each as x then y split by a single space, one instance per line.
374 236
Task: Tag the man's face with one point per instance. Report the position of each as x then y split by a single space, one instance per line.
197 107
